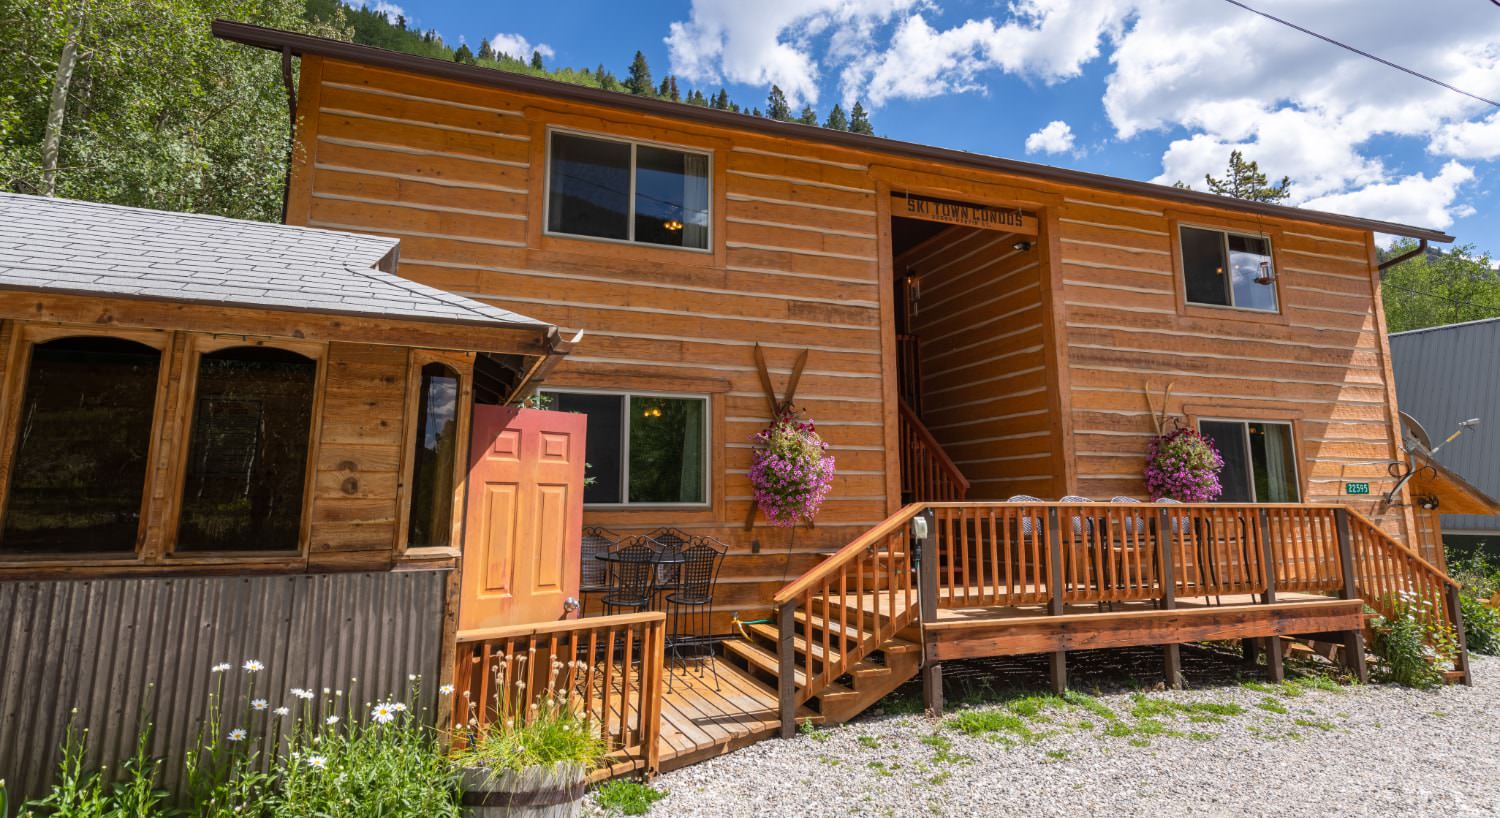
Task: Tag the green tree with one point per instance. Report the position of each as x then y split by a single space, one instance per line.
776 105
156 111
1244 180
837 120
486 51
721 100
463 54
536 60
808 116
859 120
1438 288
639 81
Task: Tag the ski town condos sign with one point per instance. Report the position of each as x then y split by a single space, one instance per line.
963 214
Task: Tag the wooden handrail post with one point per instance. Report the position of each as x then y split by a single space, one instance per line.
651 723
1354 640
924 534
786 654
1171 652
1456 619
1267 557
1058 662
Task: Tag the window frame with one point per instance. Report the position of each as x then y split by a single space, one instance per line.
1226 227
24 338
626 395
463 365
197 346
1293 429
630 241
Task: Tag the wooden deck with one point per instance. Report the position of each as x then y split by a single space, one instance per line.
699 721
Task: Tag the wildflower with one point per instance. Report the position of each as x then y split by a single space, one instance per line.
237 734
317 762
383 713
253 666
446 690
331 720
221 667
281 711
303 693
399 707
411 677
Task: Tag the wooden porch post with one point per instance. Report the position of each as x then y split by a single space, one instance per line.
1354 640
1456 618
1267 560
1171 652
927 597
1059 659
786 654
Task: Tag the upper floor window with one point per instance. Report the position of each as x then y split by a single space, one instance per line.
1260 460
82 447
247 451
1227 269
431 520
627 191
642 449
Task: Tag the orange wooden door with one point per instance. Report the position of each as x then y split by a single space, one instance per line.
524 517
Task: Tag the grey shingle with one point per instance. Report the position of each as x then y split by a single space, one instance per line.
85 247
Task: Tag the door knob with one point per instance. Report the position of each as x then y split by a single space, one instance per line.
570 604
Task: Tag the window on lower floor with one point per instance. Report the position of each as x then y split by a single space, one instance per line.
432 479
1228 269
1260 460
82 448
642 449
247 451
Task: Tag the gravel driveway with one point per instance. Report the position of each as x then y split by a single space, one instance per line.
1231 749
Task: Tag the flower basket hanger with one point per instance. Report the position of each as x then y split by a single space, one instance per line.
774 407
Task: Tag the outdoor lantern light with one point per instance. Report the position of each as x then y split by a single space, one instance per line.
1021 246
1265 276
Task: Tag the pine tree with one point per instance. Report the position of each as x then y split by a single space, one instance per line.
776 105
606 79
756 112
721 101
639 82
401 21
697 98
1244 180
486 51
859 121
665 86
536 60
672 88
463 54
837 121
808 116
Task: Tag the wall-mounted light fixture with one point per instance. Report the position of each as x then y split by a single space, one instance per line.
1021 246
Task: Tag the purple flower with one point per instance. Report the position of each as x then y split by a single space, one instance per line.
1183 465
790 473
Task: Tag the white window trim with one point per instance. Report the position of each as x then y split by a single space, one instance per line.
626 395
630 239
1224 234
1245 432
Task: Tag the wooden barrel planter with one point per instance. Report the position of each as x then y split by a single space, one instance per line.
535 792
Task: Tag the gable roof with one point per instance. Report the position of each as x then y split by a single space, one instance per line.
62 245
300 44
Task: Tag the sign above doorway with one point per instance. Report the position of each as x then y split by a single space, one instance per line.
945 211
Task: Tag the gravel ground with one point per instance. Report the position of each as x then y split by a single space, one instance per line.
1354 751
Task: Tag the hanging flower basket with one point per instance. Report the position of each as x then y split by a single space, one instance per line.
1183 465
791 471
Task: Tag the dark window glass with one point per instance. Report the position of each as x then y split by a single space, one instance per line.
431 521
589 191
1229 436
1253 279
81 448
671 197
247 457
602 443
1203 265
1260 461
666 450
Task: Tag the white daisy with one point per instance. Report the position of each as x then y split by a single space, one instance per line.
446 690
303 693
237 734
317 762
399 707
221 667
383 713
259 704
281 711
331 720
253 666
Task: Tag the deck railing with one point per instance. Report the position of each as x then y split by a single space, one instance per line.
608 669
927 473
1388 574
909 366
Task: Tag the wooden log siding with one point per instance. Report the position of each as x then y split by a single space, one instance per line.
980 321
457 173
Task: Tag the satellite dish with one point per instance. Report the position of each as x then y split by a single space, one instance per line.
1415 430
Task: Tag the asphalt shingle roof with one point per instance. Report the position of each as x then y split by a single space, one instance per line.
86 247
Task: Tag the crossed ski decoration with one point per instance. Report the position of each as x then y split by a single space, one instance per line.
775 407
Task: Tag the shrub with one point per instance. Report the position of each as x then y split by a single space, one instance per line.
556 735
627 797
1481 624
1411 652
791 470
1183 465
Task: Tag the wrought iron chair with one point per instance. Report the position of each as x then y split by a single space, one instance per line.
1133 527
632 575
689 606
671 541
1083 549
593 573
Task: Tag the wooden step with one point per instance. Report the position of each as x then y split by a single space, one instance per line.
759 658
769 637
892 645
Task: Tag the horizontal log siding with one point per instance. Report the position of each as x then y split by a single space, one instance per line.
455 172
1324 365
984 386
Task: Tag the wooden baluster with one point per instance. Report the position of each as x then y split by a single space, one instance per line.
808 678
608 691
843 640
824 679
995 568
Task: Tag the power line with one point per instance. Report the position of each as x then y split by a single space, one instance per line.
1362 53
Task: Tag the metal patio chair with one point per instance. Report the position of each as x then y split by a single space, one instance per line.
632 575
1083 548
690 605
671 541
593 573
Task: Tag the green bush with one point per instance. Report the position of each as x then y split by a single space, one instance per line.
1481 624
556 735
1411 653
627 797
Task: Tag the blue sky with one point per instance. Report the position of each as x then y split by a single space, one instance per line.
1143 89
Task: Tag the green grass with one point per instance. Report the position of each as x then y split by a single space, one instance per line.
898 704
1145 707
1086 702
1259 687
1272 705
868 742
1320 724
813 731
627 797
1058 755
985 722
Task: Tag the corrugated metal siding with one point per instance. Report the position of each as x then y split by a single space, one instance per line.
127 649
1446 375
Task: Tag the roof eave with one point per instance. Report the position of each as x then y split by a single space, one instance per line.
300 44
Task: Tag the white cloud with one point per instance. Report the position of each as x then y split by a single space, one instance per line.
1469 140
518 46
1415 199
1056 137
391 11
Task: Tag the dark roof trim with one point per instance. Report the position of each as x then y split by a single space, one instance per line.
300 44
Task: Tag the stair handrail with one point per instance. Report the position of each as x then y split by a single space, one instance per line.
845 555
933 448
1403 549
